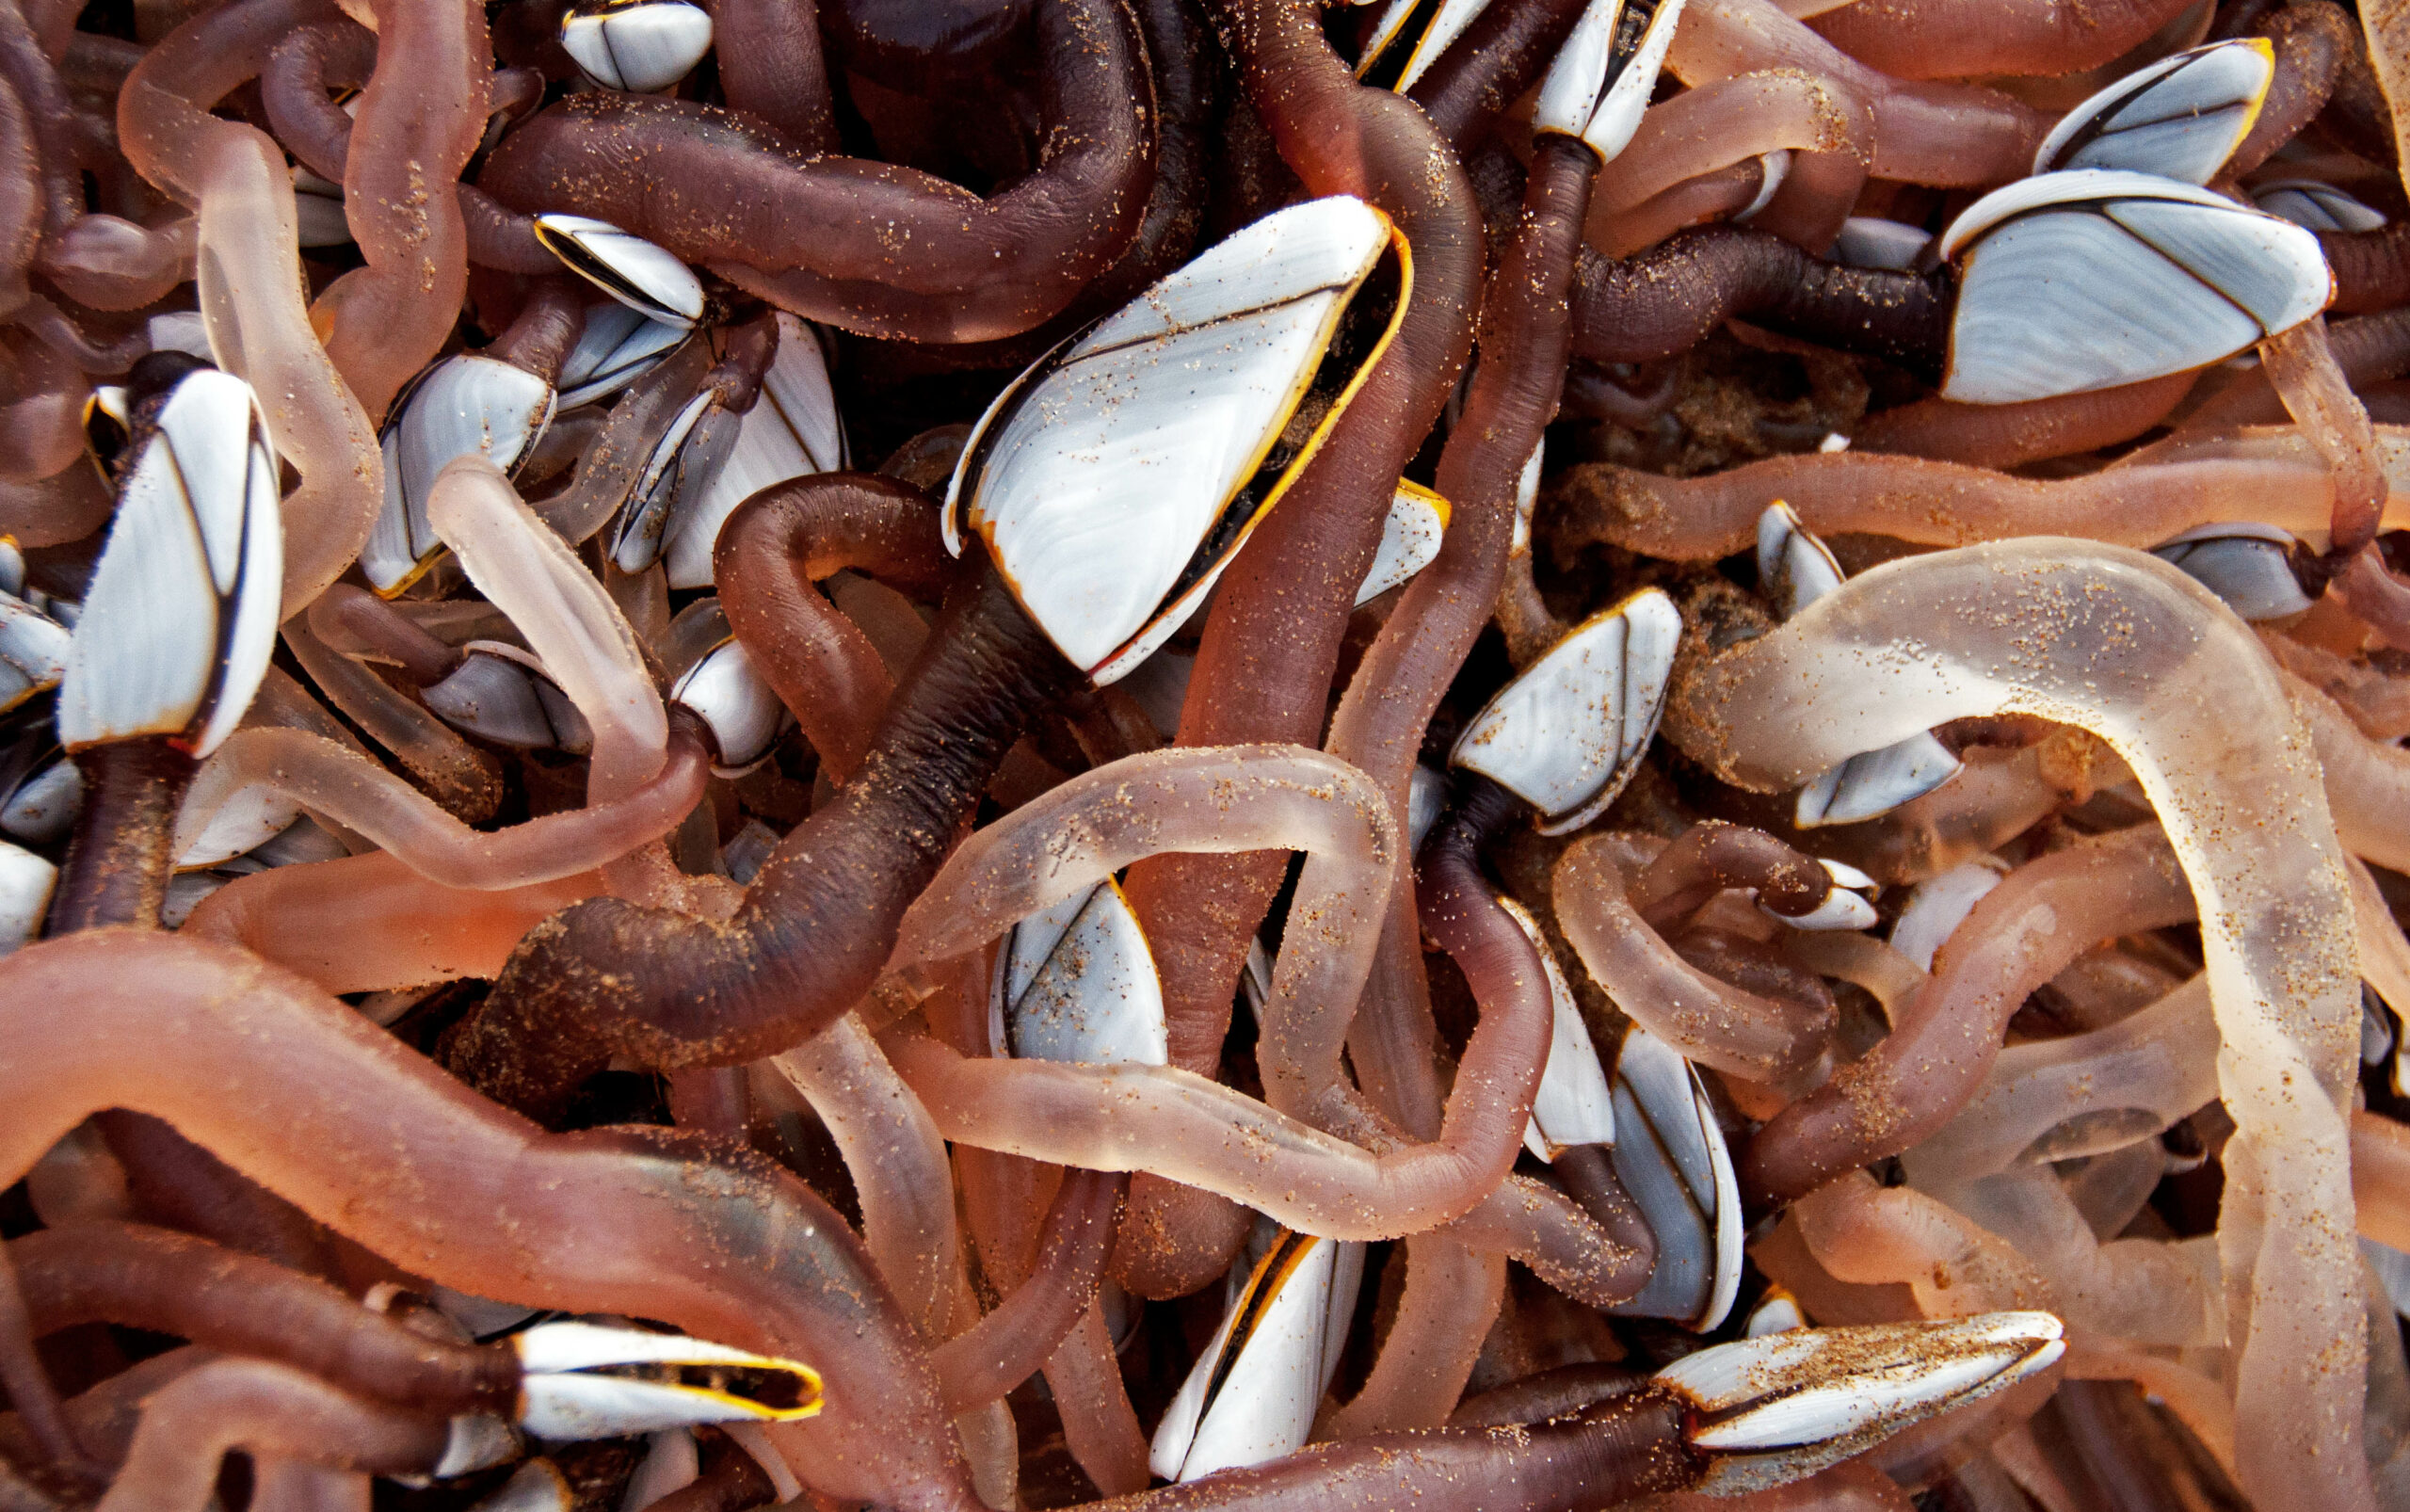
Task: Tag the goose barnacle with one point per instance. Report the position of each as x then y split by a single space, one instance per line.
1252 1395
2180 118
1783 1405
467 403
1567 734
1605 73
582 1380
1574 1104
1075 981
637 45
2088 278
791 431
1407 38
674 494
1410 536
1671 1157
743 716
629 268
179 622
1164 432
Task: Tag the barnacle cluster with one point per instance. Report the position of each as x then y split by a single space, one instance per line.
1469 754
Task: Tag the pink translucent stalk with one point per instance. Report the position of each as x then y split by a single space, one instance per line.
1012 1343
2161 1061
905 1186
900 1171
1738 1031
420 117
370 924
1873 1235
270 1412
1716 196
361 795
2384 952
1863 960
1938 134
250 274
464 780
2381 1177
2303 369
2367 781
68 506
570 623
2275 481
2133 650
301 1094
2375 700
2010 435
41 406
1451 1295
2388 52
2199 1401
1221 801
1723 121
1099 1424
1179 1125
2146 1290
1956 39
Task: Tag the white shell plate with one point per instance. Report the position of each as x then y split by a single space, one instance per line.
1867 242
1108 474
1563 736
25 883
619 345
1267 1405
1076 983
1574 1105
2246 568
188 591
638 273
1874 782
1794 568
743 713
464 404
641 47
1938 904
43 807
2181 117
2319 206
2117 279
1410 538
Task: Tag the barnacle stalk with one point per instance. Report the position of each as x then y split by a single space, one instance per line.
250 277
